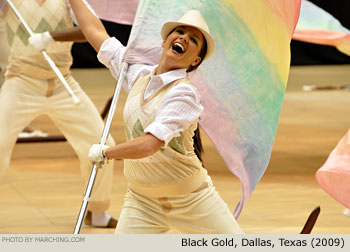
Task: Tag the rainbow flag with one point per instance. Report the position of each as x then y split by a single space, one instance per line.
242 86
119 11
319 27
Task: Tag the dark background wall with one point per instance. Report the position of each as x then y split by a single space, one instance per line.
302 53
312 54
84 56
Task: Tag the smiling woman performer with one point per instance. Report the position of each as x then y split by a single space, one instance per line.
169 190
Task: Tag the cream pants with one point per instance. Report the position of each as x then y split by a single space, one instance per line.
22 99
200 212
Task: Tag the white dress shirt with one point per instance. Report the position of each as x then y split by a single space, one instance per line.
180 107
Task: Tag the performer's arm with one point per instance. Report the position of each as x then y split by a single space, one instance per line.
91 26
72 34
134 149
40 41
137 148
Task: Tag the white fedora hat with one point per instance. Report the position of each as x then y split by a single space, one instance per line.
195 19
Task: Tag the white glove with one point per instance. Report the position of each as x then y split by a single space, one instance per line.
96 153
40 40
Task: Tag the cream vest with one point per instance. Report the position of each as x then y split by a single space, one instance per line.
171 171
41 16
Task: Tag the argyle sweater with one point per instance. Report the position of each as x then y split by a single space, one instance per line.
41 16
172 170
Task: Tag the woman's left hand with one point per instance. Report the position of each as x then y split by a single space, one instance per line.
96 153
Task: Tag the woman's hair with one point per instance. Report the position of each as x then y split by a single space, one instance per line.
197 141
202 54
197 144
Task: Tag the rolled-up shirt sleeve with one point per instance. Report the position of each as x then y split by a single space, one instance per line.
111 54
180 108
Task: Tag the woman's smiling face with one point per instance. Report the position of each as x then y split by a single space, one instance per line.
182 47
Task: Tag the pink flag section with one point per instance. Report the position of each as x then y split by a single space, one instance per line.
118 11
317 26
334 175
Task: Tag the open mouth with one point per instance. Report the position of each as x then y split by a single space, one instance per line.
177 47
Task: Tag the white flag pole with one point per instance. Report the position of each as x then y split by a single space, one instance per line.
103 140
105 132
